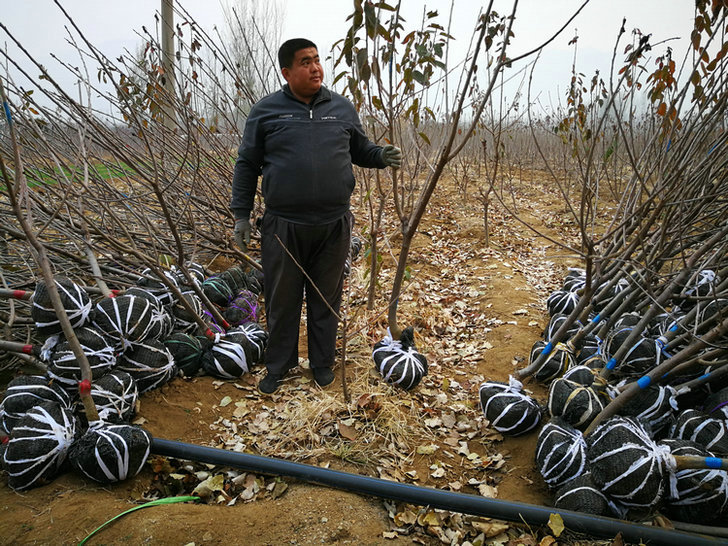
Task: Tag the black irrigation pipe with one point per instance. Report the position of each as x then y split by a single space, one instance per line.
436 498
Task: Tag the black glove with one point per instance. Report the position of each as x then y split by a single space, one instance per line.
392 156
242 233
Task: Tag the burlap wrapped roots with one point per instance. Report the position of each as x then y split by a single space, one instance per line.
24 393
509 410
74 300
626 464
398 361
109 453
702 494
560 453
38 445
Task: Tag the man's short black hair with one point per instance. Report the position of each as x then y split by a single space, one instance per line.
287 51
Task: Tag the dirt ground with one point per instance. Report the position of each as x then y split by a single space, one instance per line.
477 312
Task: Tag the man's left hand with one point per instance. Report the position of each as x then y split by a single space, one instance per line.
392 156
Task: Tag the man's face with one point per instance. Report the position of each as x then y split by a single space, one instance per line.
305 75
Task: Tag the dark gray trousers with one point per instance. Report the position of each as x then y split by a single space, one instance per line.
321 250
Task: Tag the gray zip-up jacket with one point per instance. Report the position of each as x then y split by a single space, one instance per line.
305 154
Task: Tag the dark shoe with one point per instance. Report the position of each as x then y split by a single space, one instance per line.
270 383
323 376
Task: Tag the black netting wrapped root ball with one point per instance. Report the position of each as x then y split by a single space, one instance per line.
186 351
162 322
124 318
115 396
509 410
562 302
253 337
701 494
185 320
626 464
576 404
150 282
149 363
74 300
23 393
218 291
64 366
582 495
226 359
398 361
716 404
243 308
38 445
708 432
559 359
639 359
109 453
560 453
656 405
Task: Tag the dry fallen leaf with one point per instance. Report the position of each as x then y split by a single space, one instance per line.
490 528
348 432
556 524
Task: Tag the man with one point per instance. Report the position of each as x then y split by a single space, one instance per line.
303 139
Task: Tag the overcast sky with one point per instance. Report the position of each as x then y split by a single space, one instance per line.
112 25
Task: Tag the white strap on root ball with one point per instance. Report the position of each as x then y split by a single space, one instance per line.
225 359
115 396
576 404
109 453
149 363
74 300
253 337
38 445
702 494
162 322
124 319
560 453
562 302
627 465
709 432
24 393
64 366
398 361
509 410
656 405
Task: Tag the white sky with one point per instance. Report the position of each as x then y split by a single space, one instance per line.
112 25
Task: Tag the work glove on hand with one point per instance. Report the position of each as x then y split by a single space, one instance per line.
242 233
392 156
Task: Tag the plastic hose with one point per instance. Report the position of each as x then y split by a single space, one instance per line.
436 498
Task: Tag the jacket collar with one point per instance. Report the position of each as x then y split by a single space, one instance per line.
321 95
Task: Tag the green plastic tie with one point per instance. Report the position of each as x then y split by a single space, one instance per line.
167 500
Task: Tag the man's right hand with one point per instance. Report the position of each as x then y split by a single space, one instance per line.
242 233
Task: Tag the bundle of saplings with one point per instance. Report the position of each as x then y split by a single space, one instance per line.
602 342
